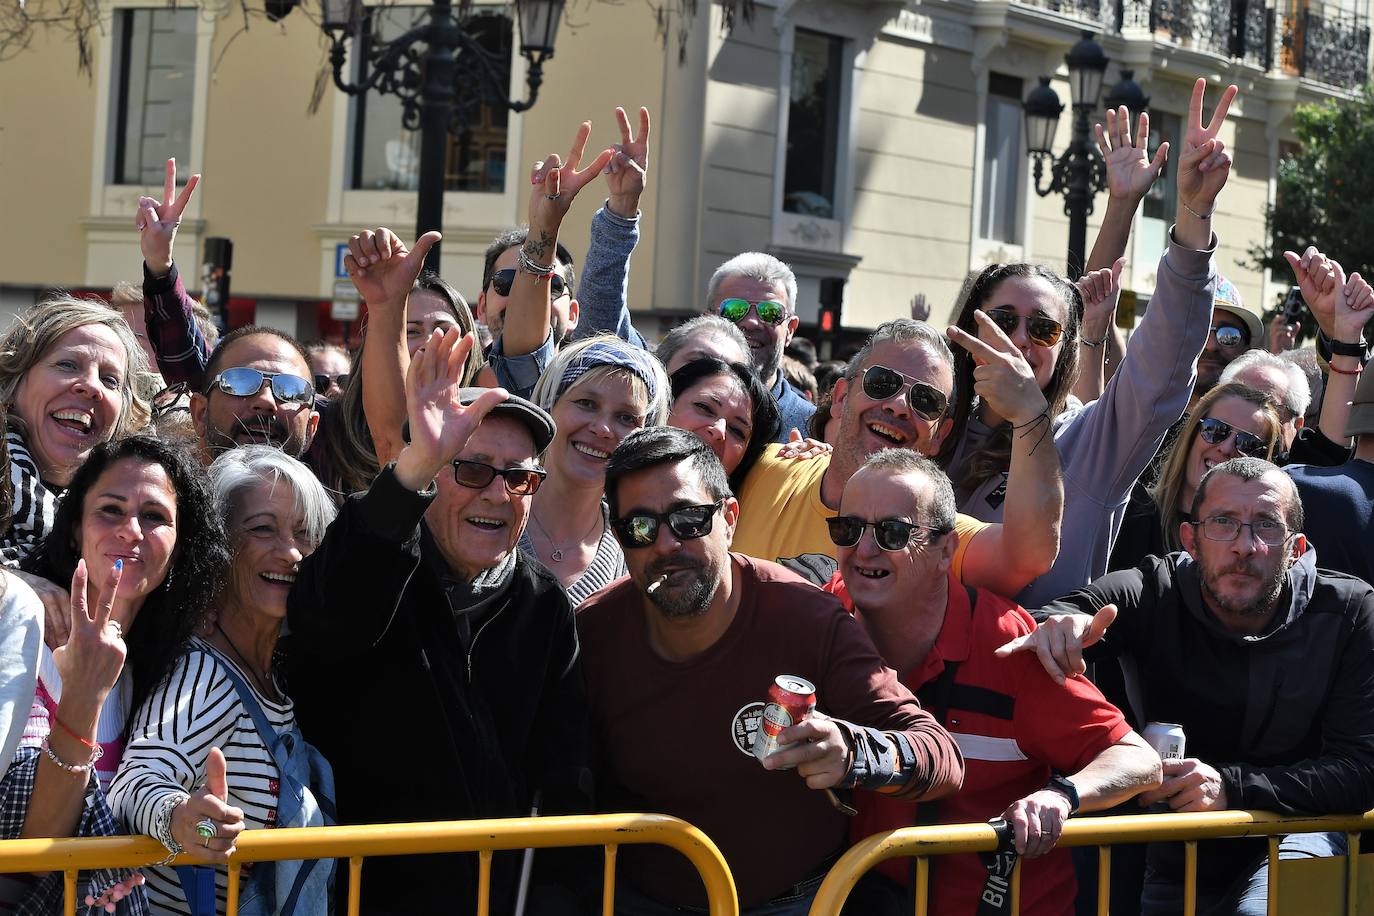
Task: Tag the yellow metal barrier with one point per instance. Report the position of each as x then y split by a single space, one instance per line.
926 842
355 843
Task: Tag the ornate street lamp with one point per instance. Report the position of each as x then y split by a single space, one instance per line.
1079 172
441 73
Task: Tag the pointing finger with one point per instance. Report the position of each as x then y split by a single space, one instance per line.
643 125
185 196
105 606
1219 114
980 351
579 144
169 182
1011 648
80 578
623 120
1195 104
1000 341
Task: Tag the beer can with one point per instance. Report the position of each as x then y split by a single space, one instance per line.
790 700
1166 738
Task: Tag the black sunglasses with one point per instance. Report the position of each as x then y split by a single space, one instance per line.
502 279
1215 432
890 533
686 523
323 381
881 383
1041 330
243 382
477 476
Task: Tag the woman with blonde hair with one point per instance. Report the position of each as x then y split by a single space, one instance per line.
598 391
1230 421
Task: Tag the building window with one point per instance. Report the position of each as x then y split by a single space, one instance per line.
154 87
1161 201
813 125
1002 160
386 155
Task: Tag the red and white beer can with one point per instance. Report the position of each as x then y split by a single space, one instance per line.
1166 738
790 700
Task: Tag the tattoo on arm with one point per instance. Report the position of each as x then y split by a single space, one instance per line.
538 250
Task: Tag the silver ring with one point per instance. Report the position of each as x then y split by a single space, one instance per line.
118 628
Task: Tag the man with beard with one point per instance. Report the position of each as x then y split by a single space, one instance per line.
758 293
1260 656
894 394
257 392
679 658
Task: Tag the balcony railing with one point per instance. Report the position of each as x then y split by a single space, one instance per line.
1326 45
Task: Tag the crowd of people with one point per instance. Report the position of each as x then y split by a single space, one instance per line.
515 559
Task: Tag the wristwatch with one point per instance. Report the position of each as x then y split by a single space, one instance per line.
1065 787
1341 348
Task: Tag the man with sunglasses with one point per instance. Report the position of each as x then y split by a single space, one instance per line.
1035 752
433 663
895 394
1260 656
257 391
758 293
679 658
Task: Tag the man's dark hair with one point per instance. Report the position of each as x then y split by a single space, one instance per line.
195 572
655 445
217 358
510 239
1254 469
803 351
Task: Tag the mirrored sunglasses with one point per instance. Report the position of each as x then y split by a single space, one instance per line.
687 523
769 312
891 534
243 382
1042 331
927 401
1215 432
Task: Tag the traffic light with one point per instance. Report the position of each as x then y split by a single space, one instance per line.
828 324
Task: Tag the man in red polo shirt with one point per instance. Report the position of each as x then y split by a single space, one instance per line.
1035 751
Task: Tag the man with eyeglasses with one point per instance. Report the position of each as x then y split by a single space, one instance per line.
679 658
433 663
1035 752
895 394
257 391
1261 657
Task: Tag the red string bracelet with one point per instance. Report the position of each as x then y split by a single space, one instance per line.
1340 371
90 745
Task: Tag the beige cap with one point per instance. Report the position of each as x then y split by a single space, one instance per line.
1228 299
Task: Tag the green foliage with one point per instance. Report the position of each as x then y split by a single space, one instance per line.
1325 190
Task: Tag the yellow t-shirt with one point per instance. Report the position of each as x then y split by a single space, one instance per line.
782 516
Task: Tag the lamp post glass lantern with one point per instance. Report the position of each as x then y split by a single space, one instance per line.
1078 173
440 72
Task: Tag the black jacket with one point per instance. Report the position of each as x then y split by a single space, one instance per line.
1286 717
425 714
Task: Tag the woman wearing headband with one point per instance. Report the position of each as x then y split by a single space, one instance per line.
598 390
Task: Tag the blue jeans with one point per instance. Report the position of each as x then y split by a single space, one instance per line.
630 902
1248 894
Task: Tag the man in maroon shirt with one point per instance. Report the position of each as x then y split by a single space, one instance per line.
678 660
1035 751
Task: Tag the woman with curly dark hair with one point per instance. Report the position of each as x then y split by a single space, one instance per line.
146 506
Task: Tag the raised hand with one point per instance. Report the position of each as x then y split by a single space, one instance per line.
1204 165
560 184
440 424
157 222
1002 378
1130 170
209 804
627 171
920 307
1341 305
90 661
1101 290
382 268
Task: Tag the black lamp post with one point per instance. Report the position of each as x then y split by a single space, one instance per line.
440 73
1079 172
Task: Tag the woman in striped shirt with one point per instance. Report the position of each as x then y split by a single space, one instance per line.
175 783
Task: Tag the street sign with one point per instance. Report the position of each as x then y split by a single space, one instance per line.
340 250
345 304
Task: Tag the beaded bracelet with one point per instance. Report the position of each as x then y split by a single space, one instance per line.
76 769
530 266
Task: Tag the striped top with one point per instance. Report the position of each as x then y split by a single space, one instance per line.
34 504
607 565
109 725
169 743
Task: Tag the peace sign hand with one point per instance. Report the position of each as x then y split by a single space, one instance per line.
157 222
560 184
1003 378
382 269
1205 165
93 656
626 172
1130 170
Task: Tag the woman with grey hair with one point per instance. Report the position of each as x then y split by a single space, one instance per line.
174 782
598 391
69 373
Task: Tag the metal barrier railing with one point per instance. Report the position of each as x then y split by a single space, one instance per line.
483 837
1104 832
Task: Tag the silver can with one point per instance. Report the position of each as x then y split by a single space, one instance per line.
1166 738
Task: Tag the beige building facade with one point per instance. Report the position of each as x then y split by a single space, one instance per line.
877 143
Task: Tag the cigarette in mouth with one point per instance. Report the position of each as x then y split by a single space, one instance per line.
656 584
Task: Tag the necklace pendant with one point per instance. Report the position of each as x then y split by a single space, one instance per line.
556 556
